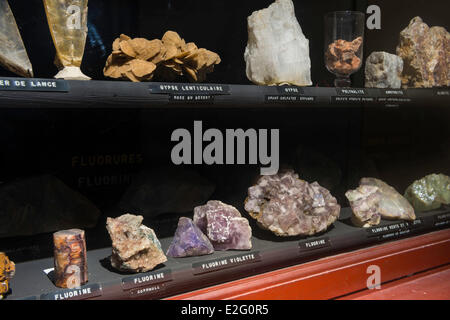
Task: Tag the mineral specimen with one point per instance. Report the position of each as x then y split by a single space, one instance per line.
224 226
71 268
383 70
341 56
13 55
42 204
277 51
426 55
375 199
165 190
288 206
189 240
364 202
135 247
140 59
67 21
429 193
7 270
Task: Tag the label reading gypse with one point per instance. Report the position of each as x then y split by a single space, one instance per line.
146 279
289 90
309 245
21 84
226 262
81 293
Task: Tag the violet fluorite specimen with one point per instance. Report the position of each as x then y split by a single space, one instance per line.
189 241
224 226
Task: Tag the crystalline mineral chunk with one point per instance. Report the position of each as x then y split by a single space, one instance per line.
189 240
224 226
383 70
429 193
135 247
277 51
288 206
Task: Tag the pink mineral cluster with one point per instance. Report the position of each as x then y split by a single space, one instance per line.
224 226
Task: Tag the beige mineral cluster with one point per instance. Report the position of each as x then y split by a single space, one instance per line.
426 55
140 59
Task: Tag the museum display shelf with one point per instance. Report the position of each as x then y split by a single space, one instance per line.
51 93
181 275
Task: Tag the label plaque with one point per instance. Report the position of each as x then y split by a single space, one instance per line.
442 219
395 229
191 98
149 290
283 98
351 91
289 90
310 245
225 263
84 292
146 279
25 84
191 89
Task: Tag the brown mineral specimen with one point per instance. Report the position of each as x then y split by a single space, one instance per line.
288 206
426 55
341 56
140 59
70 258
135 247
7 270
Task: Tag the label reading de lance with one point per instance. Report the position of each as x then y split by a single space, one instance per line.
33 84
226 262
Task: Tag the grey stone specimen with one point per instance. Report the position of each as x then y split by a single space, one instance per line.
383 70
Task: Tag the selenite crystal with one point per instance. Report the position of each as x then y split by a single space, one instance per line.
289 206
426 55
135 247
374 199
277 51
429 193
189 240
224 226
383 70
13 55
67 21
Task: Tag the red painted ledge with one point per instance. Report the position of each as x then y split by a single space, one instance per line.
338 275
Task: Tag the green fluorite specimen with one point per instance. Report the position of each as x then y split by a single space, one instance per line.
429 192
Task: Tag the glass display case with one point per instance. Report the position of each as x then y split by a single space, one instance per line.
164 136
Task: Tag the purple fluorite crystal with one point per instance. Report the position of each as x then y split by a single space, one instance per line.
224 226
189 240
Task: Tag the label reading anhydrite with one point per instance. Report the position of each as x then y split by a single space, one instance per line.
84 292
309 245
146 279
273 98
442 219
393 92
22 84
191 98
191 89
226 262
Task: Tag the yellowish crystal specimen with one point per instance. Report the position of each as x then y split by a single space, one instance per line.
13 55
67 20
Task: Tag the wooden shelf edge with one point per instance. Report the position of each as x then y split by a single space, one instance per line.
337 275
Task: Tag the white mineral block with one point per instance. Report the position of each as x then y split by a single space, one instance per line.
277 51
